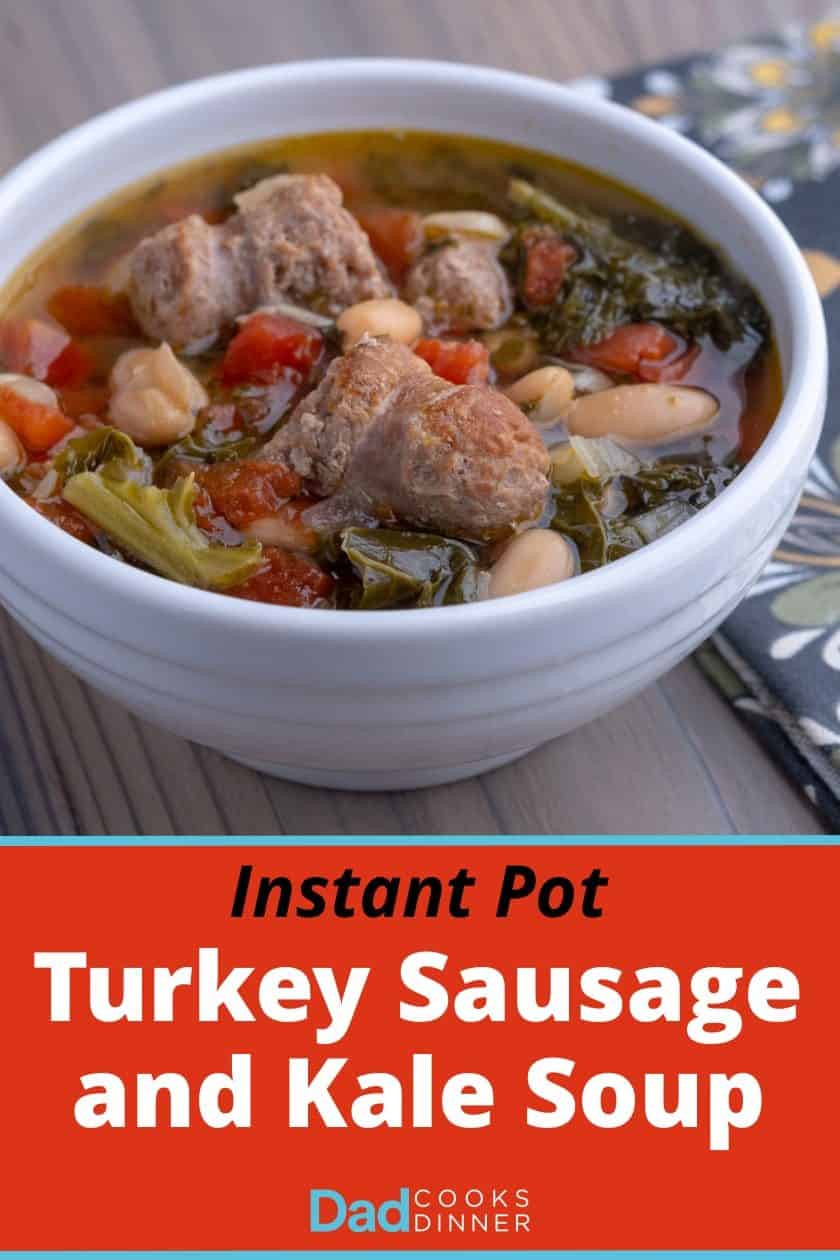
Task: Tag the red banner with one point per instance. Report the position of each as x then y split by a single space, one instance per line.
432 1048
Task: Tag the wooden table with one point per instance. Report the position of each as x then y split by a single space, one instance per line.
673 760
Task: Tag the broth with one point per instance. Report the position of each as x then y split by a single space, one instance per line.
397 556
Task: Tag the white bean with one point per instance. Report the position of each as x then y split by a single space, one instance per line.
551 389
589 380
155 397
473 224
379 317
539 557
12 455
642 413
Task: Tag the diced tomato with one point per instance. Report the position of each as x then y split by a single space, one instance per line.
547 259
395 236
65 516
286 578
244 491
73 367
30 346
267 344
671 369
36 348
206 516
461 362
85 400
629 347
38 425
87 310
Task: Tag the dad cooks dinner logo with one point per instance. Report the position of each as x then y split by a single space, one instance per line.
424 1210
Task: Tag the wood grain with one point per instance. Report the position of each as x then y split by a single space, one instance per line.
673 760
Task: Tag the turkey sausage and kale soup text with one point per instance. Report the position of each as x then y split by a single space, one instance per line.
378 371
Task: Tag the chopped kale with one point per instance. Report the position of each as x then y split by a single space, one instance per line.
158 528
401 569
613 518
102 446
635 270
201 448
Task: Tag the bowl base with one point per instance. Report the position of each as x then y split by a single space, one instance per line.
382 780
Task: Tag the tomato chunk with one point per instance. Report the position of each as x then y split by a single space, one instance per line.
244 491
266 345
674 368
286 578
65 517
629 347
85 400
461 362
395 236
87 310
30 346
38 425
547 259
73 367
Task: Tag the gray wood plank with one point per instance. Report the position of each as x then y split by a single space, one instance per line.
674 759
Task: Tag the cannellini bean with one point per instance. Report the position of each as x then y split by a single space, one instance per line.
589 380
473 224
551 389
379 317
155 398
30 389
539 557
642 413
12 456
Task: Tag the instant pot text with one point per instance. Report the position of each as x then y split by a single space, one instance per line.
405 1087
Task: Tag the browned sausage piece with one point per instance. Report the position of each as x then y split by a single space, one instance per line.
389 440
459 288
458 459
322 432
184 283
290 240
304 247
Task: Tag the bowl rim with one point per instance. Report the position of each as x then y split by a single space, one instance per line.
804 391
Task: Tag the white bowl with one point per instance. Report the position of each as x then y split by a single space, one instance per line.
409 698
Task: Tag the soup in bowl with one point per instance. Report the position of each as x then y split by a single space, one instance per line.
425 424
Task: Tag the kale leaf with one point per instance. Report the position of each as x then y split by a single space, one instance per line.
158 527
102 446
401 569
613 518
647 270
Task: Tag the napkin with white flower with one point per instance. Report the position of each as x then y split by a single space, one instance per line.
771 110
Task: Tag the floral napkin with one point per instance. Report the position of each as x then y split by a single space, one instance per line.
771 110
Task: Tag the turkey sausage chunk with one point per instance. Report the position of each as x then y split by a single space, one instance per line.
386 437
459 288
290 240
